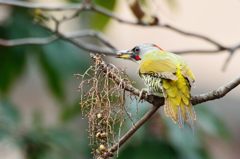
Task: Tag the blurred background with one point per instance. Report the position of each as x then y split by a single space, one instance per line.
40 117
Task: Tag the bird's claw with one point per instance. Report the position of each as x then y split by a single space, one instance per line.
143 94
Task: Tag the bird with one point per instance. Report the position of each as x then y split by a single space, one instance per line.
166 75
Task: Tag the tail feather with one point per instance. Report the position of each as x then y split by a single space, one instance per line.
191 116
180 117
169 111
178 101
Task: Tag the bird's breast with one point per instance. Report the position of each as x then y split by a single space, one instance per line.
153 83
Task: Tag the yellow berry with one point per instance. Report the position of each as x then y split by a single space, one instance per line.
102 147
99 115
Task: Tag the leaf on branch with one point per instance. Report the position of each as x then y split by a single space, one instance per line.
98 21
12 64
137 10
142 15
40 17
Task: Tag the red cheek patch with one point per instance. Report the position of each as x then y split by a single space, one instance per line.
137 58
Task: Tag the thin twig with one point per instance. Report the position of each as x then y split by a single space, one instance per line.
28 41
92 33
69 37
232 50
199 36
88 47
193 51
216 94
108 13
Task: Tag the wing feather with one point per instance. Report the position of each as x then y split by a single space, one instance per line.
159 64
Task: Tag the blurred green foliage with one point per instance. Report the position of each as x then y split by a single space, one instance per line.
98 21
95 20
58 62
150 148
172 3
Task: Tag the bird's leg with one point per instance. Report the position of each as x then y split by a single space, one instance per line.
143 93
148 91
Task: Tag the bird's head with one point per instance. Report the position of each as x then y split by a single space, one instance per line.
137 53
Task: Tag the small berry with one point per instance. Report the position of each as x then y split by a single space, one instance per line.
99 115
102 147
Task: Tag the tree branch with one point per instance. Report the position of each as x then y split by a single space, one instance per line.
46 6
28 41
70 37
216 94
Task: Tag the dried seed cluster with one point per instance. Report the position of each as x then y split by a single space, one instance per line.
102 102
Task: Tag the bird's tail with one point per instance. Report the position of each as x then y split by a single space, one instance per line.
178 101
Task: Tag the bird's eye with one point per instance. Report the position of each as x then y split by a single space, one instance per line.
136 50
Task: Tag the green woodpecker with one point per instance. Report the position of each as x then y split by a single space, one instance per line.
165 74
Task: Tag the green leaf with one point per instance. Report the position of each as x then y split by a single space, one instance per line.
95 20
12 62
98 21
52 76
66 58
59 62
20 25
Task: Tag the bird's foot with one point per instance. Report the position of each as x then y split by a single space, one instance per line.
143 94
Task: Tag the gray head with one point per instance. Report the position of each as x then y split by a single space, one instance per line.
137 52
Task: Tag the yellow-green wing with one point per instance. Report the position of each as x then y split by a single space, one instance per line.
186 71
160 63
